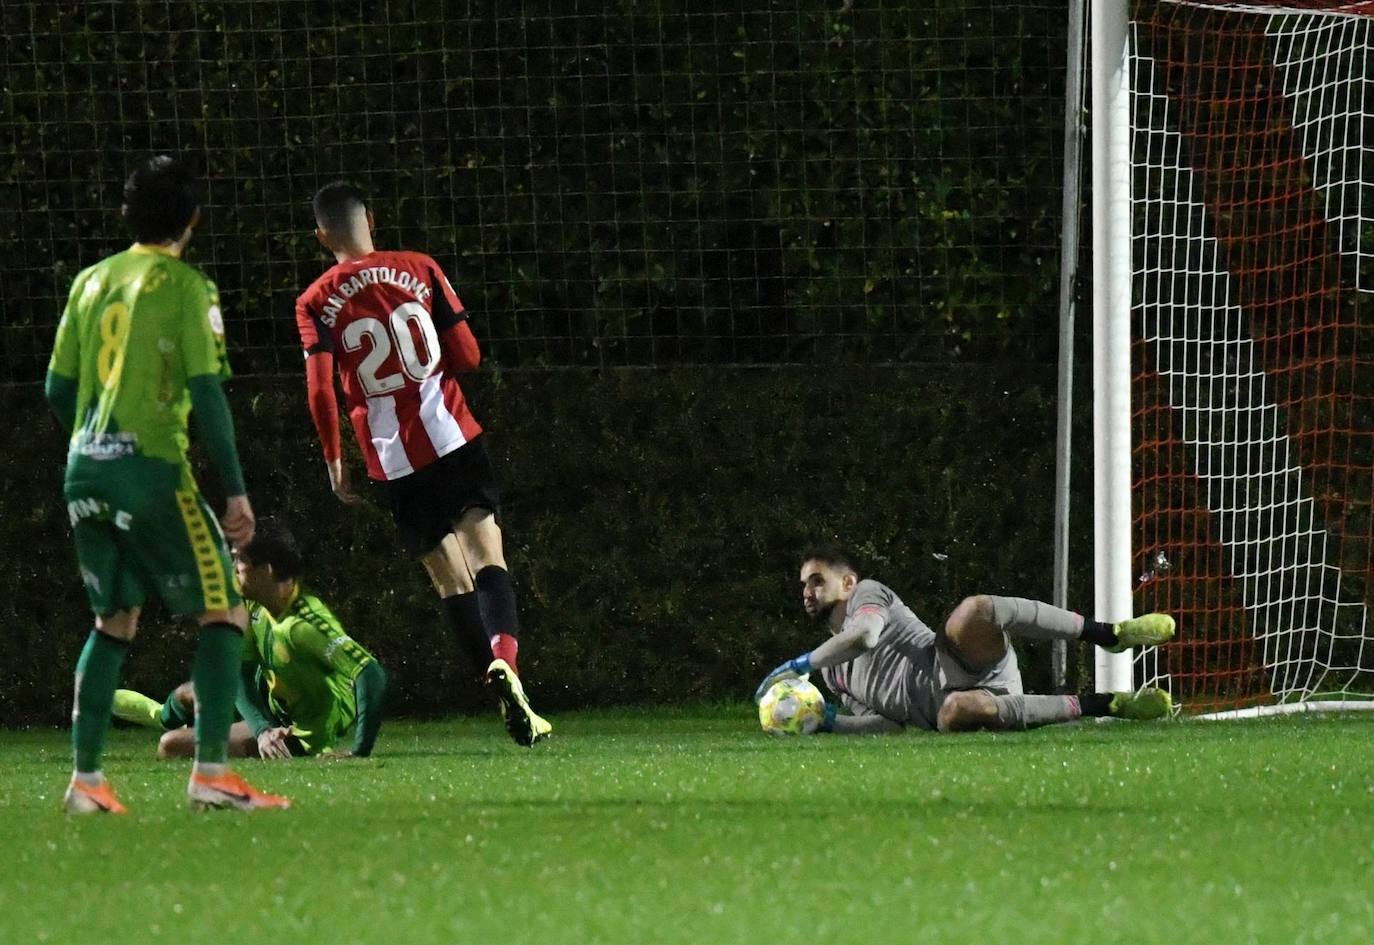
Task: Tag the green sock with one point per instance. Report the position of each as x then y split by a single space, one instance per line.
216 678
97 678
172 715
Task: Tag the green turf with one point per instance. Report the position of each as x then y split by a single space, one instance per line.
643 827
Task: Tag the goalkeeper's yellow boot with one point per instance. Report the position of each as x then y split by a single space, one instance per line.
92 799
1143 705
523 724
136 708
1145 630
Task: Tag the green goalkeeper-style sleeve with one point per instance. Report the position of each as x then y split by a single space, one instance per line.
216 428
61 394
249 702
370 691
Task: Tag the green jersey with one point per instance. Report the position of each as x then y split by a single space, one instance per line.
136 327
306 666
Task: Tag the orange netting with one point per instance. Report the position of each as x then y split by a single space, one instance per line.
1253 391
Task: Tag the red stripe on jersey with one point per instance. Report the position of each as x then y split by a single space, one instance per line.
454 404
381 316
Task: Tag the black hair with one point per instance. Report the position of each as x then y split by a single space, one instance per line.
335 205
160 199
274 545
833 555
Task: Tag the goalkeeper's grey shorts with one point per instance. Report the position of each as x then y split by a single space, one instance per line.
953 673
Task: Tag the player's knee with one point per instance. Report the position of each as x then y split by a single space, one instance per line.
966 711
122 625
480 538
971 613
185 695
175 744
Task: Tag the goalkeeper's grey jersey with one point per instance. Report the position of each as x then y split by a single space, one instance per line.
897 678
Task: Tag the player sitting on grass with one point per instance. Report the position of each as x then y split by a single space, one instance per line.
140 346
890 670
399 335
306 684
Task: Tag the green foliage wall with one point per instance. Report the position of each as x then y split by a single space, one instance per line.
652 522
629 183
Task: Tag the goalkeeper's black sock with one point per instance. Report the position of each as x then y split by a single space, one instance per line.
464 616
1098 633
1096 704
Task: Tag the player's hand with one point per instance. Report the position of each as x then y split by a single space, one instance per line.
792 669
338 481
239 521
272 744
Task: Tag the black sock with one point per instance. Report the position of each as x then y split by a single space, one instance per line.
1095 704
464 616
1098 633
497 596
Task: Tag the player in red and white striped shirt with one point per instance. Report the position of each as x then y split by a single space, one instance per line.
398 333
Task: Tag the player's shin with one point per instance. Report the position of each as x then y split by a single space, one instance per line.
496 596
1019 711
97 678
215 675
1035 620
464 616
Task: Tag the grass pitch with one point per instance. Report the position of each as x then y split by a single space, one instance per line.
691 827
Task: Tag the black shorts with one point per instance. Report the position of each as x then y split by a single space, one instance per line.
430 501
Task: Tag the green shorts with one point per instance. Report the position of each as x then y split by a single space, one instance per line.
142 529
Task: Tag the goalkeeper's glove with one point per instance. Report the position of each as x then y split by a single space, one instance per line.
792 669
828 719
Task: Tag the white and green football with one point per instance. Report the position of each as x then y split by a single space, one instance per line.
792 707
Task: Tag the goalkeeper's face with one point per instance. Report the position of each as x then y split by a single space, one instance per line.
824 587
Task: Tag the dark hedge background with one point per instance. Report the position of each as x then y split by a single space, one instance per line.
639 183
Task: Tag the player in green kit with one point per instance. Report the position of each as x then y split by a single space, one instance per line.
139 347
307 685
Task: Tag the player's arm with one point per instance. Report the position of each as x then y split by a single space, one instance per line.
860 633
64 367
207 367
862 720
215 424
249 701
341 655
459 346
61 394
324 406
369 689
864 725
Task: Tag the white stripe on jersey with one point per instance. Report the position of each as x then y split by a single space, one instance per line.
385 432
442 426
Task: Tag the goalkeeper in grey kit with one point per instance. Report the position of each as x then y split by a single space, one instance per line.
892 671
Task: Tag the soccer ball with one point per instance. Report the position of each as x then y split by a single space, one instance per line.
792 707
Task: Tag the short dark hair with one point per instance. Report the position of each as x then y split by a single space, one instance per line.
274 545
160 199
336 203
833 555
